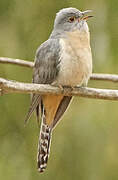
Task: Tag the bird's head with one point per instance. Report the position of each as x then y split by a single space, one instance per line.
71 19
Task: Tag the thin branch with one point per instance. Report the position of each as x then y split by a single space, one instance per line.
19 62
103 77
27 88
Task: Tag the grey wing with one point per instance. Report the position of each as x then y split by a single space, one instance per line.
45 71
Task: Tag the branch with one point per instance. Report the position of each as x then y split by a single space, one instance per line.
19 62
103 77
17 87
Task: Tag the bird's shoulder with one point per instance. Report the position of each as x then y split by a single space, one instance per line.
46 62
48 51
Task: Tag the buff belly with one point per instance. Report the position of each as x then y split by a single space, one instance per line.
75 62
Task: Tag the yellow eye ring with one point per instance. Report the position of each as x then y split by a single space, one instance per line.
72 19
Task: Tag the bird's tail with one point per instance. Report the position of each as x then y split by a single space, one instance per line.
44 146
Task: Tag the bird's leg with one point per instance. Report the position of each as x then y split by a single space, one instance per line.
61 87
58 85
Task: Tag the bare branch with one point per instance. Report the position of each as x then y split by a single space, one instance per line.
7 86
103 77
17 87
19 62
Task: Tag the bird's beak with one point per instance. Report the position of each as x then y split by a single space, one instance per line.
85 17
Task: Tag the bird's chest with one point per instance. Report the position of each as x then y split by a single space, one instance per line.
75 62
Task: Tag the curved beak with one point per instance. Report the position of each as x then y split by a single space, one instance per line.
86 17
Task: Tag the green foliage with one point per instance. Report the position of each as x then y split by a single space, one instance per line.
85 142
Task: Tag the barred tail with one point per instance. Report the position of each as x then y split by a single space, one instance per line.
44 147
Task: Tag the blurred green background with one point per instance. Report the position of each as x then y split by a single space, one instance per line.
85 143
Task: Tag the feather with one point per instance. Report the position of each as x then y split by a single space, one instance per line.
61 109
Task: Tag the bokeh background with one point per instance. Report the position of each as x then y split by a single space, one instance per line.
85 143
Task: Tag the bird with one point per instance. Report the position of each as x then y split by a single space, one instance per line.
65 59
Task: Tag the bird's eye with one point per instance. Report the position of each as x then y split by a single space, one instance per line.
72 19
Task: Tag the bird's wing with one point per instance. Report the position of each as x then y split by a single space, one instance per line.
45 71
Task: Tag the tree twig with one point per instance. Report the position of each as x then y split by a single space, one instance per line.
19 62
6 60
17 87
7 86
105 77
